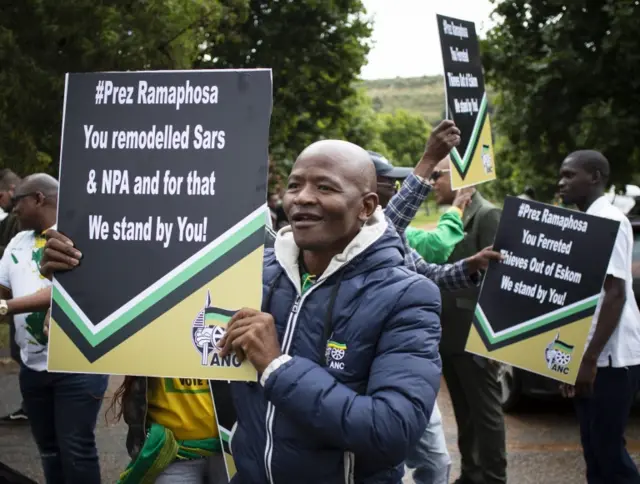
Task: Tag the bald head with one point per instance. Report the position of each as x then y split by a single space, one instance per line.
36 200
350 161
441 182
8 180
444 164
330 195
39 182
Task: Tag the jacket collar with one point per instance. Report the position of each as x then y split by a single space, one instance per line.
471 210
287 251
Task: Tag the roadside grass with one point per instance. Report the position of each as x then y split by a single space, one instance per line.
424 220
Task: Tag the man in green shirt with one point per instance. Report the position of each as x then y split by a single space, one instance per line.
437 245
472 381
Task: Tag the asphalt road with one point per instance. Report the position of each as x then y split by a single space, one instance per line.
543 443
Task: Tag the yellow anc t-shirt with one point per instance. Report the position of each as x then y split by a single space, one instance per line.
184 406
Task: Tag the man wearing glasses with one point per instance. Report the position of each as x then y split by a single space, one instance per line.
472 381
62 408
430 458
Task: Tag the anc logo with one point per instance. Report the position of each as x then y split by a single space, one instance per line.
558 355
206 332
334 353
487 162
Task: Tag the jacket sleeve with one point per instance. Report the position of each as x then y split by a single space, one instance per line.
436 245
404 205
448 277
404 380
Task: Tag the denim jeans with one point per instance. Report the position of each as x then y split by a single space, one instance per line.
209 471
63 409
430 458
15 350
603 418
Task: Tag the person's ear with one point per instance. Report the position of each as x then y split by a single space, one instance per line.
40 198
597 177
369 205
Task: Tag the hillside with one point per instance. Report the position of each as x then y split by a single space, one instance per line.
420 94
424 95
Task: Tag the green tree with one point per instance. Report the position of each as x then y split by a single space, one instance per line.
405 135
316 49
41 40
568 78
360 124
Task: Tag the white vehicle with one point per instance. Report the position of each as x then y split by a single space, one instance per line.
624 201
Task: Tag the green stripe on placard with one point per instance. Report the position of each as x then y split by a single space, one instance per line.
535 323
462 163
196 266
225 437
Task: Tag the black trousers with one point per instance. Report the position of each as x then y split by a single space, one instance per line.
475 395
603 419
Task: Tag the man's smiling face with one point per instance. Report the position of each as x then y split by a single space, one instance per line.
327 200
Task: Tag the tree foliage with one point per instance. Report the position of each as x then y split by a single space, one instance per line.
568 77
361 124
41 40
405 134
400 136
316 49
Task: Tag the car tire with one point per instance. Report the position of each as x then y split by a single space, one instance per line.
511 388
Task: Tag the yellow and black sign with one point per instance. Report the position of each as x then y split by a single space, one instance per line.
536 306
467 104
163 190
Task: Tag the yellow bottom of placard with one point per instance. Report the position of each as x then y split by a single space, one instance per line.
555 354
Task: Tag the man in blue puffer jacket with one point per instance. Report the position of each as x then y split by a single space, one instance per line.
347 341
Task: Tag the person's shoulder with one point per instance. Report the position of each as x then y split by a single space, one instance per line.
484 204
609 210
22 237
400 281
488 209
22 240
418 294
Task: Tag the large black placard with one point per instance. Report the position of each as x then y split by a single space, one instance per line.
155 167
552 275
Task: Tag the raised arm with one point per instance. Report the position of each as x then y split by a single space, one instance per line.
404 205
38 301
460 275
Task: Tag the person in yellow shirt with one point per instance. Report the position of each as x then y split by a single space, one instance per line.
173 434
